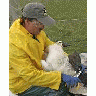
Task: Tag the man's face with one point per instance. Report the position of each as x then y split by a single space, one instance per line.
35 27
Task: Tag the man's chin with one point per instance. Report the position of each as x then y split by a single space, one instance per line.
38 33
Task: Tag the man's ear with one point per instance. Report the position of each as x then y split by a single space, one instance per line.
27 22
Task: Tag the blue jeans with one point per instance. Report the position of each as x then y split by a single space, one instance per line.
44 91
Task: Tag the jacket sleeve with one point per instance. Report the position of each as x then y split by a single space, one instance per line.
25 69
47 41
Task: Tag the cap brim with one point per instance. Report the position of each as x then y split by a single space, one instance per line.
47 20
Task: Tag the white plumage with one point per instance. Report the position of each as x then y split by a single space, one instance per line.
58 60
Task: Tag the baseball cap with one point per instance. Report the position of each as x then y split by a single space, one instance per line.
38 11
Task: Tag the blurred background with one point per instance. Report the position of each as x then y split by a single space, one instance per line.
71 21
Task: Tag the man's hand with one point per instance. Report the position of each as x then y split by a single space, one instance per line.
70 81
46 52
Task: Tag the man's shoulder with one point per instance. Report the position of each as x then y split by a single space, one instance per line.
16 29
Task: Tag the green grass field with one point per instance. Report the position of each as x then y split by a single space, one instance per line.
70 31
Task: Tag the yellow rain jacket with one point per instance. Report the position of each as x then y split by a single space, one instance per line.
25 53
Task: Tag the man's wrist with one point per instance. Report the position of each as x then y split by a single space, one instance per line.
62 84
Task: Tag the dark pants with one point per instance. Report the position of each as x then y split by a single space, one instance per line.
43 91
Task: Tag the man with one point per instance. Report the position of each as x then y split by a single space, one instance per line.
27 42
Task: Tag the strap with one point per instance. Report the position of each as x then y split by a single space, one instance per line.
34 37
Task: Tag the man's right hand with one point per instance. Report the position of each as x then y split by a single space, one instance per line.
70 81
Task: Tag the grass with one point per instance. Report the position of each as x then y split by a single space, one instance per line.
66 9
71 31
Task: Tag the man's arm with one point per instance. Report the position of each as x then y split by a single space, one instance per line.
24 68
